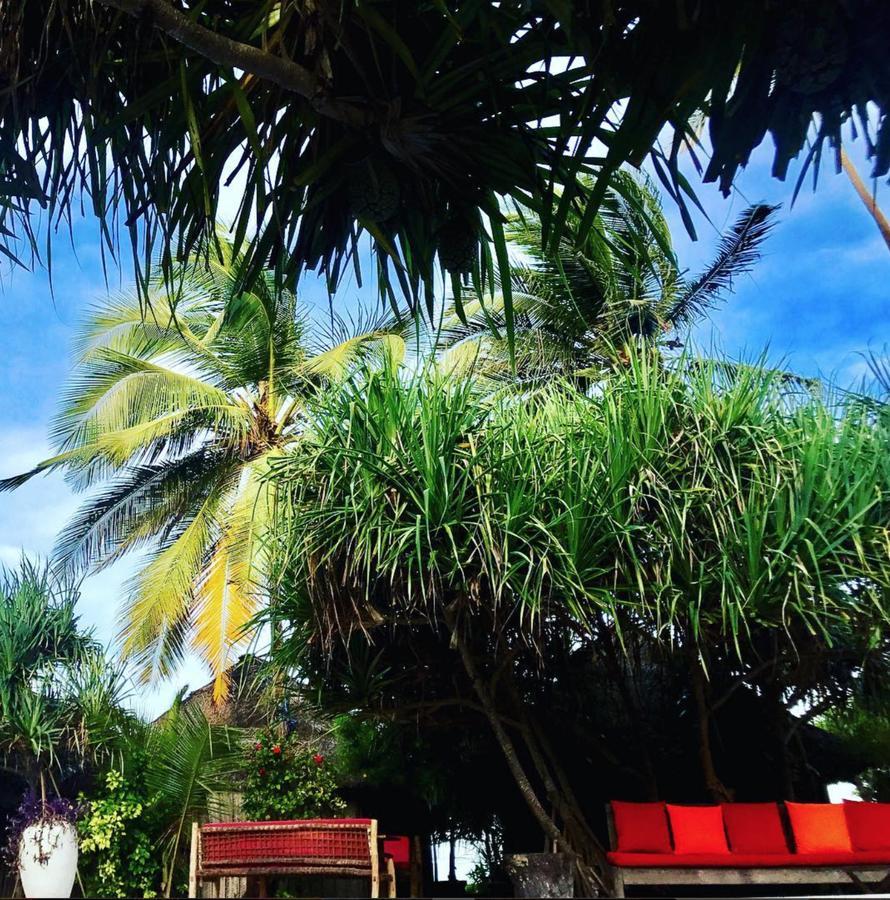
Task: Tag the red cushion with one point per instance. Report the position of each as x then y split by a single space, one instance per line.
697 829
868 824
641 827
754 828
747 860
399 848
819 827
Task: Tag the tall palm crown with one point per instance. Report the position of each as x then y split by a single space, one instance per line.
618 281
172 417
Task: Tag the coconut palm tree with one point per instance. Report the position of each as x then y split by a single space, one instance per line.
576 306
173 416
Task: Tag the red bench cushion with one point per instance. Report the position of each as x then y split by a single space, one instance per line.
641 827
819 827
754 828
399 848
748 860
697 829
868 824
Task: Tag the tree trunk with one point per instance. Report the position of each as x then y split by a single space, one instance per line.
867 197
715 787
592 877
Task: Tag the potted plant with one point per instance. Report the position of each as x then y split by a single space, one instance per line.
43 845
59 707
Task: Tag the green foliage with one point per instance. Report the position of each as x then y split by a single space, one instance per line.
117 837
188 759
703 496
576 306
867 733
288 780
60 700
404 121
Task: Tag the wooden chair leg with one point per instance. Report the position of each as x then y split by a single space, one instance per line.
390 877
193 862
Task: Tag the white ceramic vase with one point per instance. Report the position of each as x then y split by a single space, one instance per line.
48 859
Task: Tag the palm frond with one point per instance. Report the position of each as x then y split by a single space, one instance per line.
231 584
188 759
739 250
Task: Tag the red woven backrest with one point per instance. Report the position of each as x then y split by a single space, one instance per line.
334 841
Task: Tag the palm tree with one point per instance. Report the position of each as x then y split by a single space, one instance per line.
575 307
189 759
174 417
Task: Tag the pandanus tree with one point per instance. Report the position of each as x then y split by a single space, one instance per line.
402 121
575 306
60 701
172 416
505 542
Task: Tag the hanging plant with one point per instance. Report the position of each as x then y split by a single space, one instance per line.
35 811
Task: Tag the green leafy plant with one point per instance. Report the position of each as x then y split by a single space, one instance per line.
288 780
117 837
188 760
60 699
403 121
703 510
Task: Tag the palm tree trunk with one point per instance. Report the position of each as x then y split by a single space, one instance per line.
867 197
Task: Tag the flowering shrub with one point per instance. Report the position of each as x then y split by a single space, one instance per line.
116 840
288 781
31 811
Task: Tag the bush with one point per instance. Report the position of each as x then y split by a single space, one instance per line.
117 838
288 780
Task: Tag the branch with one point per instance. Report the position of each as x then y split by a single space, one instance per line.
224 51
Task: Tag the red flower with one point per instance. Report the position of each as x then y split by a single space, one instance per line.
257 746
276 750
318 759
262 771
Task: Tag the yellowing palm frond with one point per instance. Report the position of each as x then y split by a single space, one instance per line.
162 594
229 593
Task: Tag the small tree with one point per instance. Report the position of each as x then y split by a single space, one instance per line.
688 511
60 701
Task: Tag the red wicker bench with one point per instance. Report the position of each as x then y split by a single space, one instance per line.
749 843
347 848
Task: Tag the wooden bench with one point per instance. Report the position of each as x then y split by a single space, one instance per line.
645 869
343 848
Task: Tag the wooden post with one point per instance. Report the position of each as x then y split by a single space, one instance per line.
375 859
193 861
390 877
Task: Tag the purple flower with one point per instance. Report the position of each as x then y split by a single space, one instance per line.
31 810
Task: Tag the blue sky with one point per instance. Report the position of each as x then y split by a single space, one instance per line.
818 299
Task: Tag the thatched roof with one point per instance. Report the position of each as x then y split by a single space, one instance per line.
246 705
250 704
